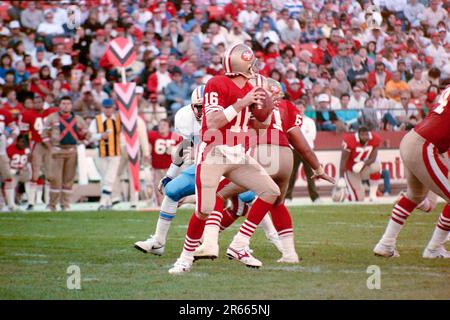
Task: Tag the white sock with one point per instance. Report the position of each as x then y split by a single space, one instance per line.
267 225
240 241
212 228
391 233
438 239
32 193
288 245
47 194
373 188
10 197
166 215
442 229
38 196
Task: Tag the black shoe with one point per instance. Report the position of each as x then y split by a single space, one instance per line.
30 207
115 202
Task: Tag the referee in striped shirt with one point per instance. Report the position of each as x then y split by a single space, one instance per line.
105 131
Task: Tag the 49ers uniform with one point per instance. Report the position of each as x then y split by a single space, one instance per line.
18 162
33 121
273 151
7 126
161 156
359 153
424 152
223 151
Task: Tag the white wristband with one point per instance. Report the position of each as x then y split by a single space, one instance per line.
319 171
173 171
230 113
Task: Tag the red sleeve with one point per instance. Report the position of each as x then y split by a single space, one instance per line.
376 140
10 151
151 138
25 117
152 83
348 143
215 96
294 118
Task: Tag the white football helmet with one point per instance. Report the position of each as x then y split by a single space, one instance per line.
197 101
338 194
239 59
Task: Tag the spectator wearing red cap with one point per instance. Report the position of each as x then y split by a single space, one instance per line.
158 81
98 47
436 50
236 34
199 19
97 91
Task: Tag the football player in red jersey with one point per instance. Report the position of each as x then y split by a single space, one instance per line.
424 152
359 162
32 121
18 154
274 153
225 131
162 143
8 131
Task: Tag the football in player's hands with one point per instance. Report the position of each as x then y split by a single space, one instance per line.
263 109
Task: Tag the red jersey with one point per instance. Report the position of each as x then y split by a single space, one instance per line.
435 128
220 93
18 158
33 121
285 117
162 148
14 111
358 152
5 120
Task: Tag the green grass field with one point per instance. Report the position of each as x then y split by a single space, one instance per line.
335 243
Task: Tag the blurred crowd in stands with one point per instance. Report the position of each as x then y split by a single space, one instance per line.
332 61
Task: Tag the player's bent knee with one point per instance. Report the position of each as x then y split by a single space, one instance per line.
271 194
201 215
416 198
172 192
